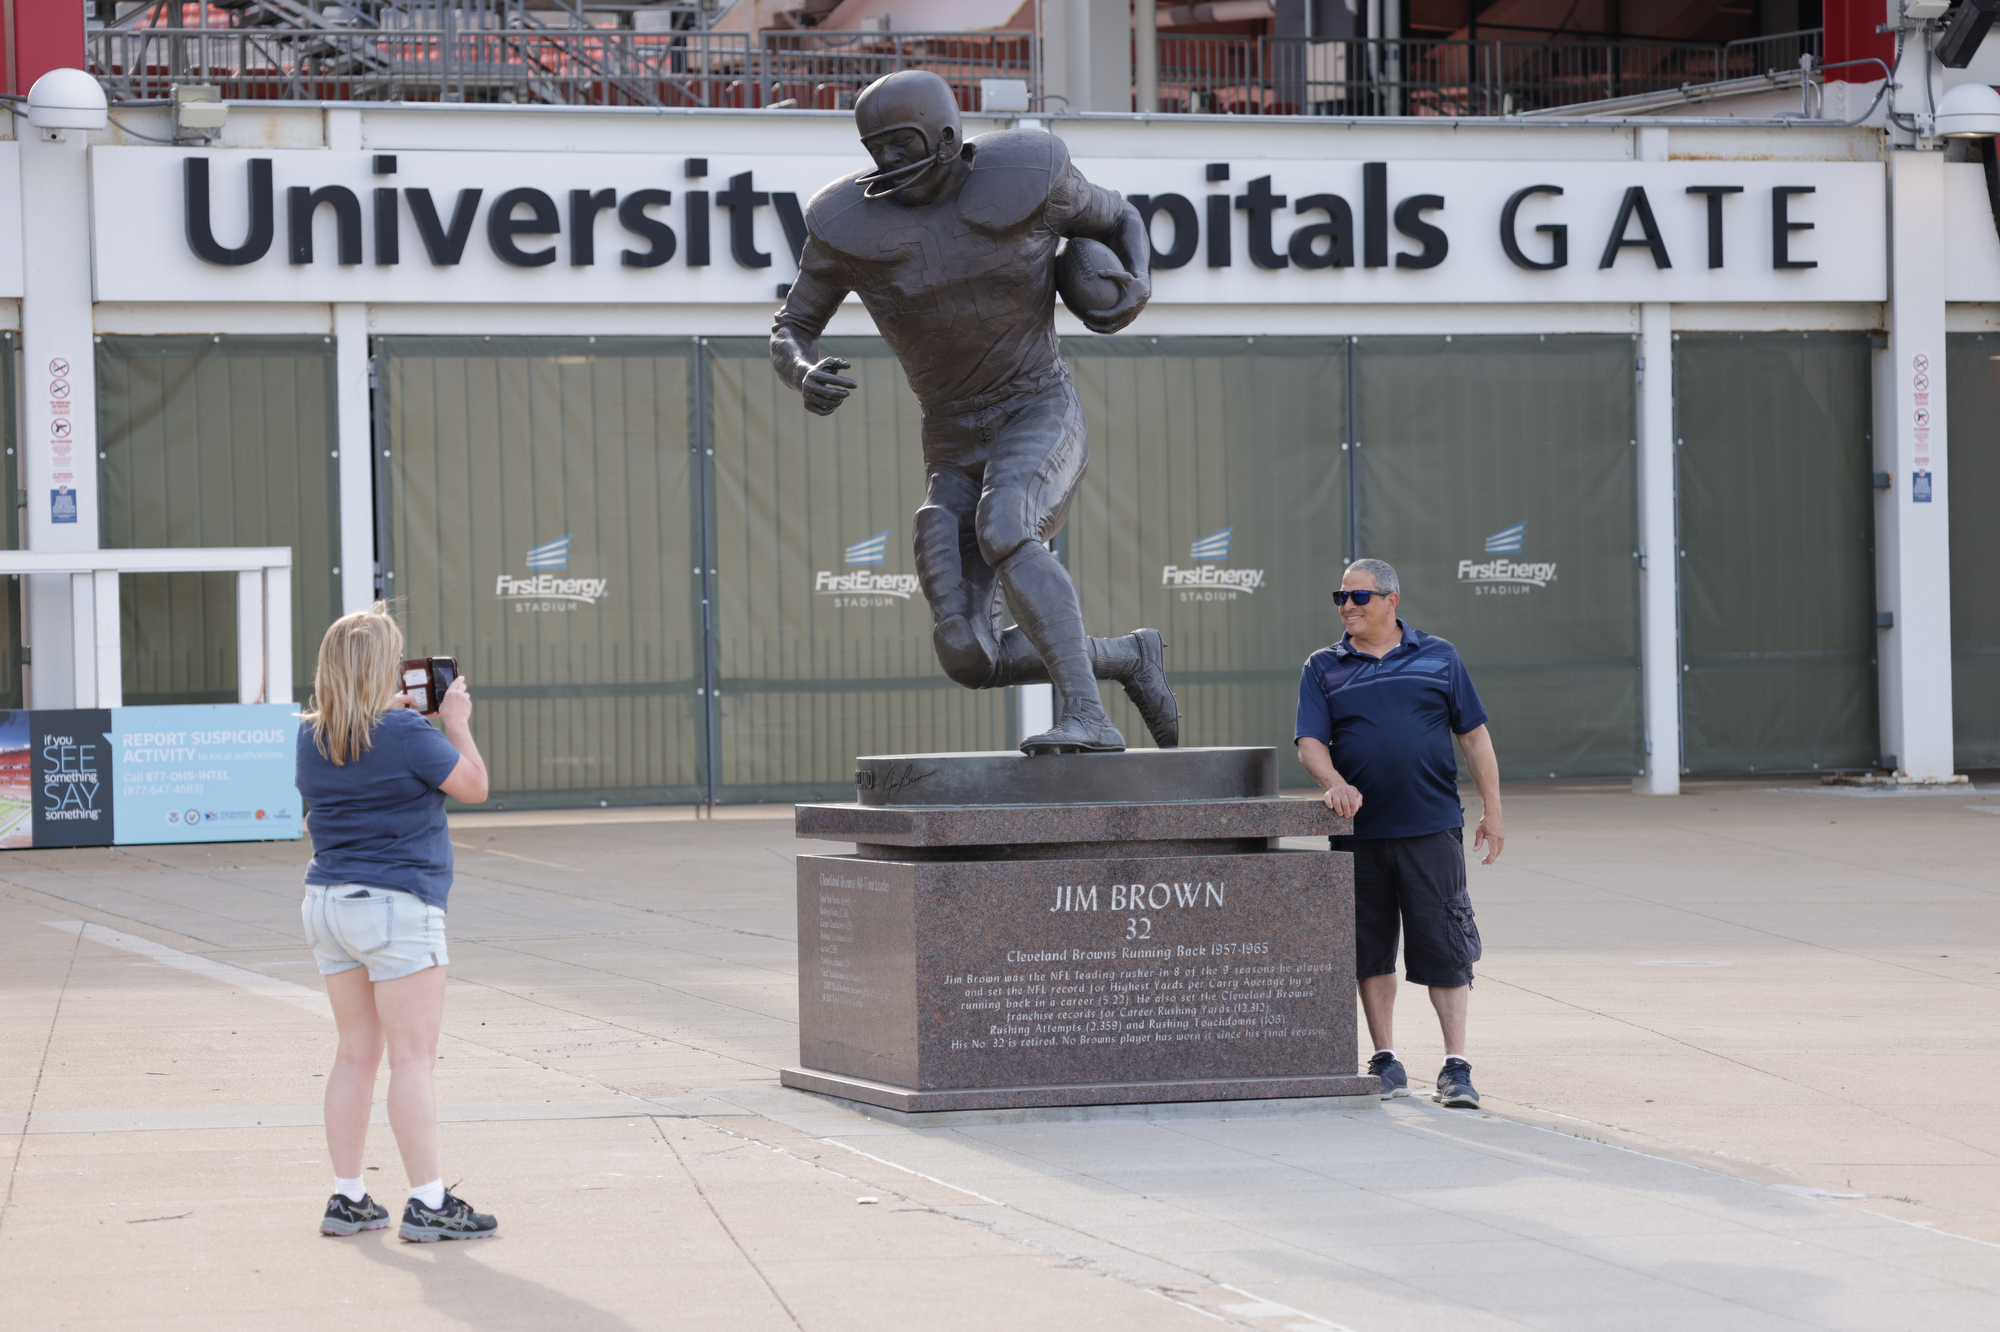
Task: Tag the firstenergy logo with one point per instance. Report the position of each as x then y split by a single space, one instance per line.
545 592
863 587
1504 577
829 584
1211 582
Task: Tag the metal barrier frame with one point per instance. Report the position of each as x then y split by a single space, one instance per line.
263 612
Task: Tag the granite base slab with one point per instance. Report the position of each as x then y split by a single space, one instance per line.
1083 829
1359 1090
1009 777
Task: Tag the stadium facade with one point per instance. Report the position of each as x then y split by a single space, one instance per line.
1684 431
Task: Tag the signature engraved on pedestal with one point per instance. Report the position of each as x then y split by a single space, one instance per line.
901 776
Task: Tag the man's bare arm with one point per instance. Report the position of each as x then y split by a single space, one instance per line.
1341 798
1485 768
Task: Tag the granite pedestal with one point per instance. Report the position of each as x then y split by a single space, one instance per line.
1077 929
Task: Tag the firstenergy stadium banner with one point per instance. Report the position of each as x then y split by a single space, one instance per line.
131 776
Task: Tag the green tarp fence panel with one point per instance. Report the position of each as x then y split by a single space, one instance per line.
216 441
822 640
540 523
1777 530
1498 475
1972 485
1215 510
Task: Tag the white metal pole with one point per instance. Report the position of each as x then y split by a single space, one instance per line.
58 458
1913 553
82 645
1659 556
250 663
355 437
106 660
278 635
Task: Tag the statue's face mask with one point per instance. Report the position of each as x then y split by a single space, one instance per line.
910 125
903 160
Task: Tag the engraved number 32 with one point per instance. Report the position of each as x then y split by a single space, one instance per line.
1141 928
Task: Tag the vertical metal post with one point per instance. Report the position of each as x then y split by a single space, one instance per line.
1147 39
1659 549
278 635
83 640
1353 461
704 450
250 664
105 655
353 414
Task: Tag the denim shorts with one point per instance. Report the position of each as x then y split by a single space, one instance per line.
392 933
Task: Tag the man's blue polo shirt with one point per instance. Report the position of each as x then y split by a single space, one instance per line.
1389 722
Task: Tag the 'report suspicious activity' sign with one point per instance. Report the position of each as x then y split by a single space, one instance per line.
131 776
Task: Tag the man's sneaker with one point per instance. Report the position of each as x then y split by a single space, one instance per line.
454 1221
344 1216
1395 1081
1455 1086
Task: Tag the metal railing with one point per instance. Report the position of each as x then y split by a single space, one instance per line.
824 70
1287 76
263 612
604 67
552 66
1283 76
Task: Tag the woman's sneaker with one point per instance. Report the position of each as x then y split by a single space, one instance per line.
1395 1081
454 1221
1455 1086
344 1216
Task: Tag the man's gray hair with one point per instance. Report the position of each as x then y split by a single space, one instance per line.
1381 572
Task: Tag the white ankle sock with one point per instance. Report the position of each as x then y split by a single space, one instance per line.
354 1190
1390 1053
430 1195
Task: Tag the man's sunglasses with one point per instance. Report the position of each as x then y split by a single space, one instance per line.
1361 595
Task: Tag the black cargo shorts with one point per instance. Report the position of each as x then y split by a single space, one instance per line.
1415 885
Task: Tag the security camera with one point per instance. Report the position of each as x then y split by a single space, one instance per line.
1965 25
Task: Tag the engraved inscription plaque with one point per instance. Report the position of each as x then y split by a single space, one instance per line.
1037 972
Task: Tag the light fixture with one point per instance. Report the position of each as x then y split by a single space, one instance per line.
1969 110
66 99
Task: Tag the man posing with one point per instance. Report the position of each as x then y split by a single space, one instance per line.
1377 711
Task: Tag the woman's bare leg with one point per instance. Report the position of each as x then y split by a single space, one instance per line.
412 1010
350 1087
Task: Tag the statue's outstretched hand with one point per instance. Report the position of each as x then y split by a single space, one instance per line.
825 388
1134 292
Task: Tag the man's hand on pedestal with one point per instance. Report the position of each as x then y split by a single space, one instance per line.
1343 799
825 388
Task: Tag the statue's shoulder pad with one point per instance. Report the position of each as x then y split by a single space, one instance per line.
1012 173
836 214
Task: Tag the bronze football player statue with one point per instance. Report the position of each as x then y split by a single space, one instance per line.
951 246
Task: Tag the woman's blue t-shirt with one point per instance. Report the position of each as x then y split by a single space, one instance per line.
379 817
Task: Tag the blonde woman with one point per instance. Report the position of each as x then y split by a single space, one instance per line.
375 774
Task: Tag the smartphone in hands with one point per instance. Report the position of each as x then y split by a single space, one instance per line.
425 679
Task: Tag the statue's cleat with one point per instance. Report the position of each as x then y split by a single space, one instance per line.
1147 688
1074 734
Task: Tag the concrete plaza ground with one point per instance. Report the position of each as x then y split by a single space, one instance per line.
1738 1048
